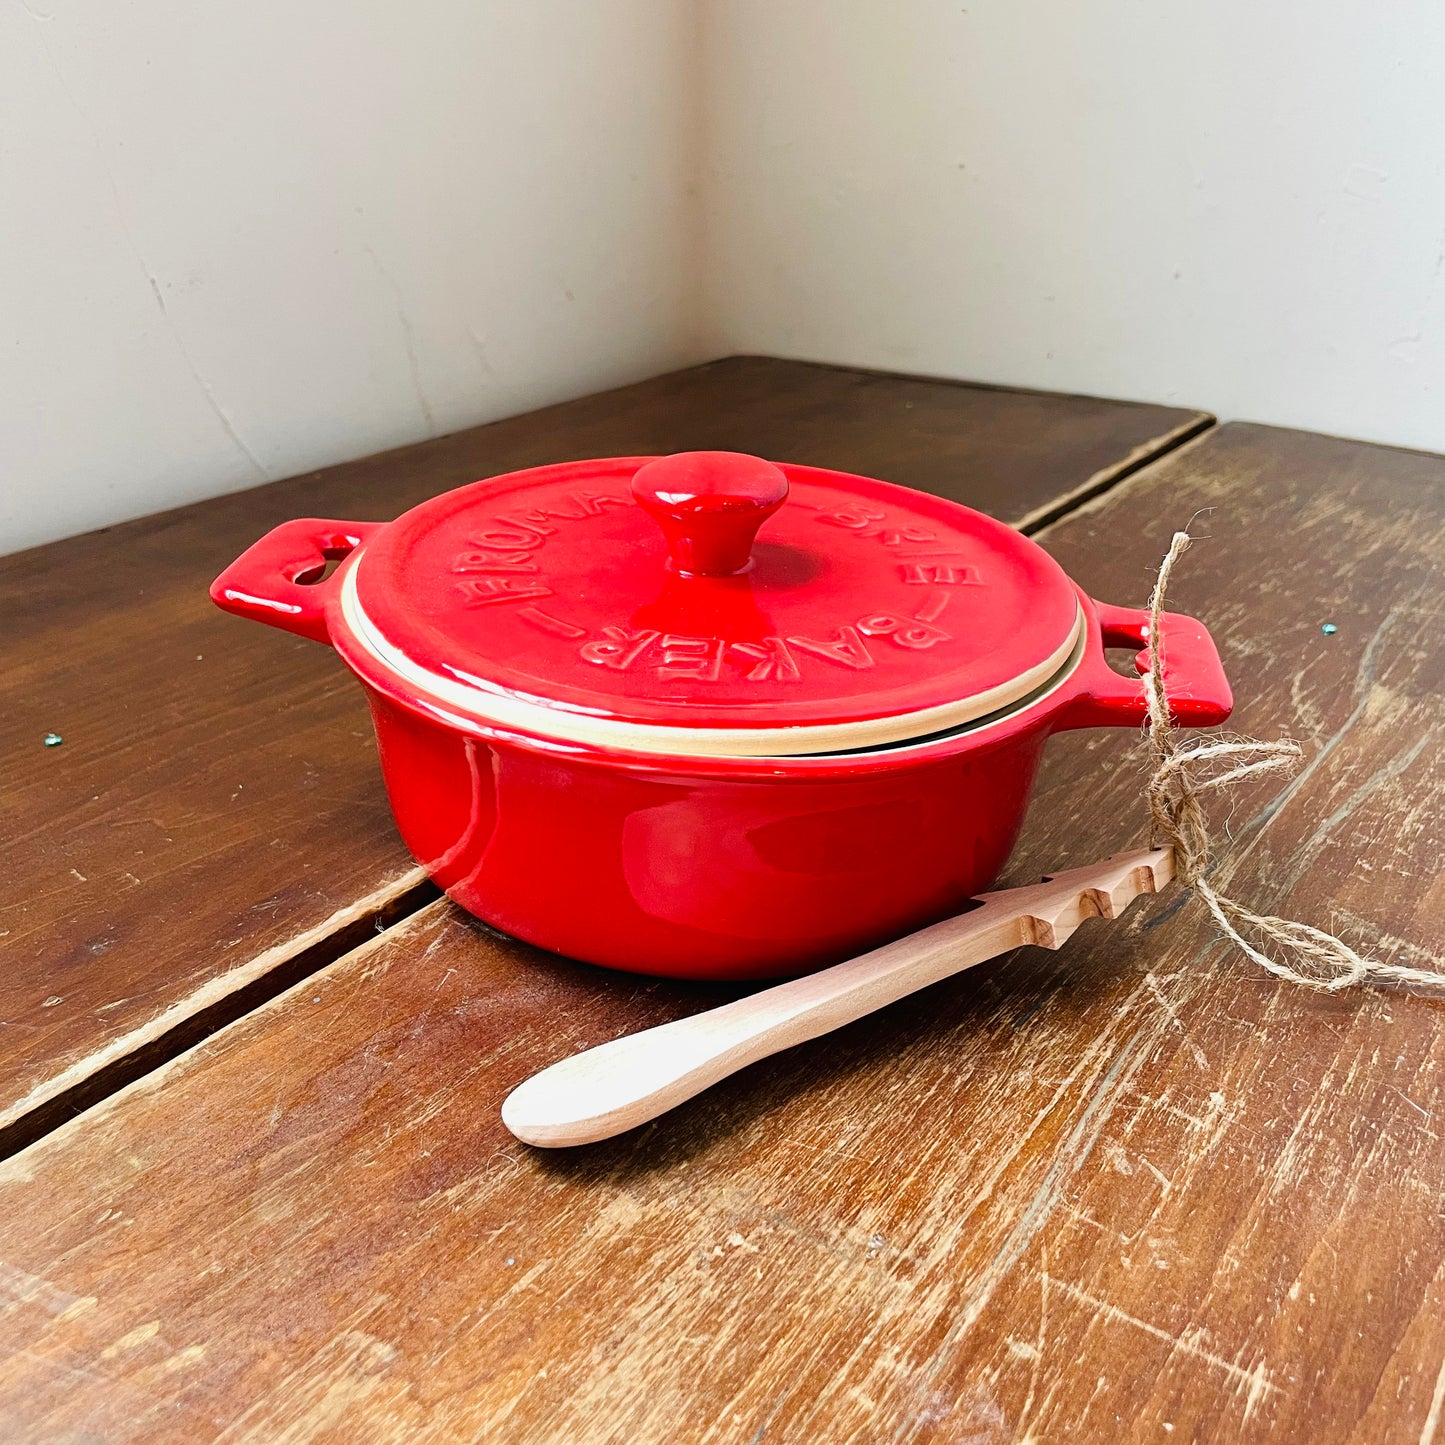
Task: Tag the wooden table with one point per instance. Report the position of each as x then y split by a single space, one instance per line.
1133 1191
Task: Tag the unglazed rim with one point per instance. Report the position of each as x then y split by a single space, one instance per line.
507 710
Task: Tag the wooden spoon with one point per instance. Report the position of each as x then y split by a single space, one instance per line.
618 1085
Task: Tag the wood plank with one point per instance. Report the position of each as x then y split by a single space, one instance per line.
1136 1190
214 817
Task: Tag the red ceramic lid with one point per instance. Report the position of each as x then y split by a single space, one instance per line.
711 592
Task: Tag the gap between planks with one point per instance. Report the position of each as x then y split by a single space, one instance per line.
229 999
1145 455
219 1002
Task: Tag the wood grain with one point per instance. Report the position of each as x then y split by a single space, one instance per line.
1131 1191
214 822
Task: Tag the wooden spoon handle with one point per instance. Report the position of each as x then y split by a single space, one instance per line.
616 1086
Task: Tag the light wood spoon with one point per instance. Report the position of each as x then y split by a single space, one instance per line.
618 1085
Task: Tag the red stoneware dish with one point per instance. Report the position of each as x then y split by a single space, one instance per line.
705 716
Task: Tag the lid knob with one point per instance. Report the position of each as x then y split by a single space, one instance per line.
710 506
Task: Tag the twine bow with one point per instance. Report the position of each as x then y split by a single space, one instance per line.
1182 773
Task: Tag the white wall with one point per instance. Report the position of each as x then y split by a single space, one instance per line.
1238 205
238 240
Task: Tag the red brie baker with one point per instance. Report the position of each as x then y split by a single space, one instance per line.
704 715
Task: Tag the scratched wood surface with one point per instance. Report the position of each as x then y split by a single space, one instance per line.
214 818
1134 1191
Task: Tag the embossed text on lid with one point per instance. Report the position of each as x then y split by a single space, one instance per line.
713 590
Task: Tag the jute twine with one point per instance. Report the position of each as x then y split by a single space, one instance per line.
1182 772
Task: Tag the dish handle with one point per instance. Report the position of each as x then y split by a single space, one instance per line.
281 580
1199 693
